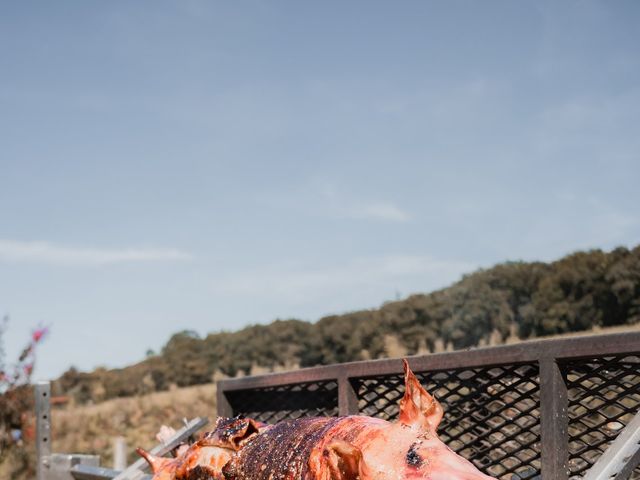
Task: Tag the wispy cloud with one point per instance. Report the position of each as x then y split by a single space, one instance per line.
47 253
379 211
343 206
408 273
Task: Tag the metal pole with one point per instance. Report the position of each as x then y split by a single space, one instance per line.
347 397
43 427
223 406
119 453
554 421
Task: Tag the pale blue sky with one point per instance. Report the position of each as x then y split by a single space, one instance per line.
205 165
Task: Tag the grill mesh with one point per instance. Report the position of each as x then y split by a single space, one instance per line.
492 414
273 404
603 397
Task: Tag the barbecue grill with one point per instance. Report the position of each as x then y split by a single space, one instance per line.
553 409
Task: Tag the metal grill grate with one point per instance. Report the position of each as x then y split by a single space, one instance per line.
584 388
604 395
274 404
491 414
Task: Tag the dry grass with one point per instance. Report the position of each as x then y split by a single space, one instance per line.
92 428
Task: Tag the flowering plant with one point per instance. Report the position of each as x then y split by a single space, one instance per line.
16 397
20 372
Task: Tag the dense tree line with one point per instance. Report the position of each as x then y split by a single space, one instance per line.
578 292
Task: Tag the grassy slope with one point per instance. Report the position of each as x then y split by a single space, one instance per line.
91 428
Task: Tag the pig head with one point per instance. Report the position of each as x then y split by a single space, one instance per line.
406 449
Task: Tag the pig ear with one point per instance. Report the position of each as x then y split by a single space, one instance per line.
345 461
157 464
417 407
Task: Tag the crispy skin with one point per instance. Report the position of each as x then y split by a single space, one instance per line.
202 473
283 452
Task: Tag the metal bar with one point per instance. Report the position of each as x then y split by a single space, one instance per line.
303 375
525 352
87 472
223 406
61 464
119 453
42 392
632 464
554 421
618 454
347 397
135 470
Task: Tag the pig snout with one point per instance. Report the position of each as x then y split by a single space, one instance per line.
400 454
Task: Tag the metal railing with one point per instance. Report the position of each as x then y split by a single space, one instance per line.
547 407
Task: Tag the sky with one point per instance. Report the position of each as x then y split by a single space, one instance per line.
206 165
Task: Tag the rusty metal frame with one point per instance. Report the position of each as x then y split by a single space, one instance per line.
547 354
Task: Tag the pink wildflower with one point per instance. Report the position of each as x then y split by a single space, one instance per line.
39 333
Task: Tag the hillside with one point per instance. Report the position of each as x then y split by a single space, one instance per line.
579 292
92 428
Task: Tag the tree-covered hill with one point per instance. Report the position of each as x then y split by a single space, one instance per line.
528 299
